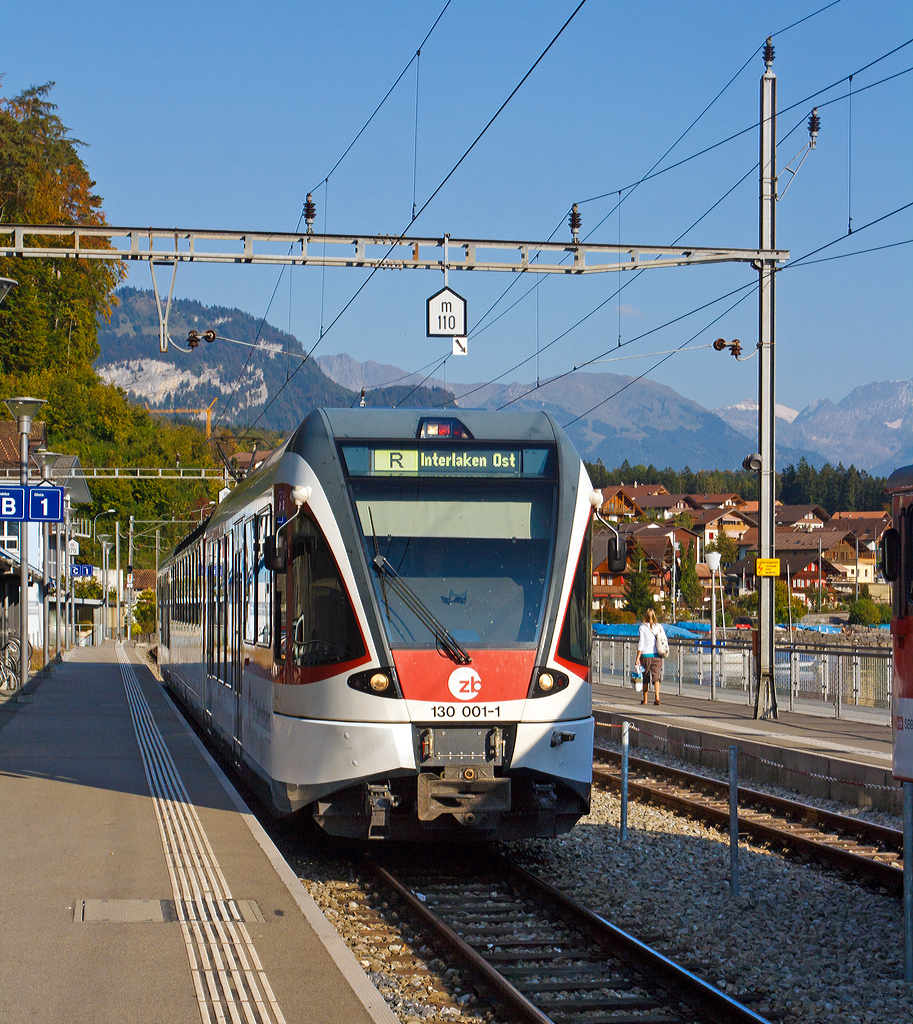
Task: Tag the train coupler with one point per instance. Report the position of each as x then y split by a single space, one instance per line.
470 793
381 802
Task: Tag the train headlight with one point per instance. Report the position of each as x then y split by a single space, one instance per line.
379 682
547 681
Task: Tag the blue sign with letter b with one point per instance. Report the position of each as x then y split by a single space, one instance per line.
12 503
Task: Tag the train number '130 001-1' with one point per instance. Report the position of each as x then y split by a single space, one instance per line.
466 711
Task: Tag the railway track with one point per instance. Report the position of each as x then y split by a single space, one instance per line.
858 848
546 958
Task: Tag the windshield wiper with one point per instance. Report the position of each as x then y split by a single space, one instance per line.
415 604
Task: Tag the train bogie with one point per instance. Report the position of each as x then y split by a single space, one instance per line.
387 626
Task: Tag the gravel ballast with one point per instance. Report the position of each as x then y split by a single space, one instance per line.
804 946
816 949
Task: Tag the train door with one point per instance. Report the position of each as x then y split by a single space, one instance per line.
236 617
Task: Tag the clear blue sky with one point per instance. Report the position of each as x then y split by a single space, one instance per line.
225 114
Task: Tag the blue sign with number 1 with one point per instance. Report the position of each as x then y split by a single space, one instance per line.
45 504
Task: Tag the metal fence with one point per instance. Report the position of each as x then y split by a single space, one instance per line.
837 681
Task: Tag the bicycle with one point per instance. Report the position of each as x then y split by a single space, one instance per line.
9 663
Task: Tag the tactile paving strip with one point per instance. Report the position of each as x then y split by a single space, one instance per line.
228 977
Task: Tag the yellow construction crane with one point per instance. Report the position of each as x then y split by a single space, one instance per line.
207 411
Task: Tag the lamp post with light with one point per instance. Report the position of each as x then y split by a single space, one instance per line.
24 410
713 564
107 512
46 460
106 546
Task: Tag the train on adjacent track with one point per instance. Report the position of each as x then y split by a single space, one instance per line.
897 566
386 626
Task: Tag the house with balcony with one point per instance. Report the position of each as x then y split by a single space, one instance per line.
618 505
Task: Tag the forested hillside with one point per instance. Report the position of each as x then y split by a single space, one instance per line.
249 363
49 344
834 489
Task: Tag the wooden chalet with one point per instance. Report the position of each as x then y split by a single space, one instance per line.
799 569
800 517
665 506
618 505
638 491
716 501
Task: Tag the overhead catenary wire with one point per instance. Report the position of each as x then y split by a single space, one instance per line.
838 99
325 182
630 188
752 285
752 127
427 202
659 362
638 273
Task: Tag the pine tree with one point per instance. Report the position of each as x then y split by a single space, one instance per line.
690 586
637 590
49 320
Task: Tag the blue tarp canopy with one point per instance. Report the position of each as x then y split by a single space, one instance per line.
821 628
626 629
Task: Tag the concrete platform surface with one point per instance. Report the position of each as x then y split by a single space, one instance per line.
135 885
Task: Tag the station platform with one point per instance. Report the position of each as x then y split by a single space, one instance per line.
136 885
832 758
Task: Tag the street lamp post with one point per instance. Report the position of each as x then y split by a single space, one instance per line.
713 564
24 410
46 460
107 512
675 549
105 548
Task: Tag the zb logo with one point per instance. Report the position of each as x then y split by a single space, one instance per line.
464 683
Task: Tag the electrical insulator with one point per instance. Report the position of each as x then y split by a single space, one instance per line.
574 220
310 212
362 402
193 340
719 344
769 52
736 347
814 126
209 336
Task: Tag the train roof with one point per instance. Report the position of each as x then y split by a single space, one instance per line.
403 423
900 480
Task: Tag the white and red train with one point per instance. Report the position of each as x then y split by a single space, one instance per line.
897 566
387 625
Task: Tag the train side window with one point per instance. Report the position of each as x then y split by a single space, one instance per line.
574 642
250 582
907 557
324 628
263 611
280 599
890 554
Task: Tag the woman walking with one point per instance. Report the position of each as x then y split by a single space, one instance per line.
648 655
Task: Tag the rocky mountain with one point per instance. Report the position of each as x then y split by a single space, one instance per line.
619 418
242 378
872 428
609 416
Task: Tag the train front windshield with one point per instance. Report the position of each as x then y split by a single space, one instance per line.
474 549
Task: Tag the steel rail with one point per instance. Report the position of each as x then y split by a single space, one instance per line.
802 828
656 972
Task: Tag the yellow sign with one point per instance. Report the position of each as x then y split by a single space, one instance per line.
767 567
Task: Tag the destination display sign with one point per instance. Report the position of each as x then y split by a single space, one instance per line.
450 461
